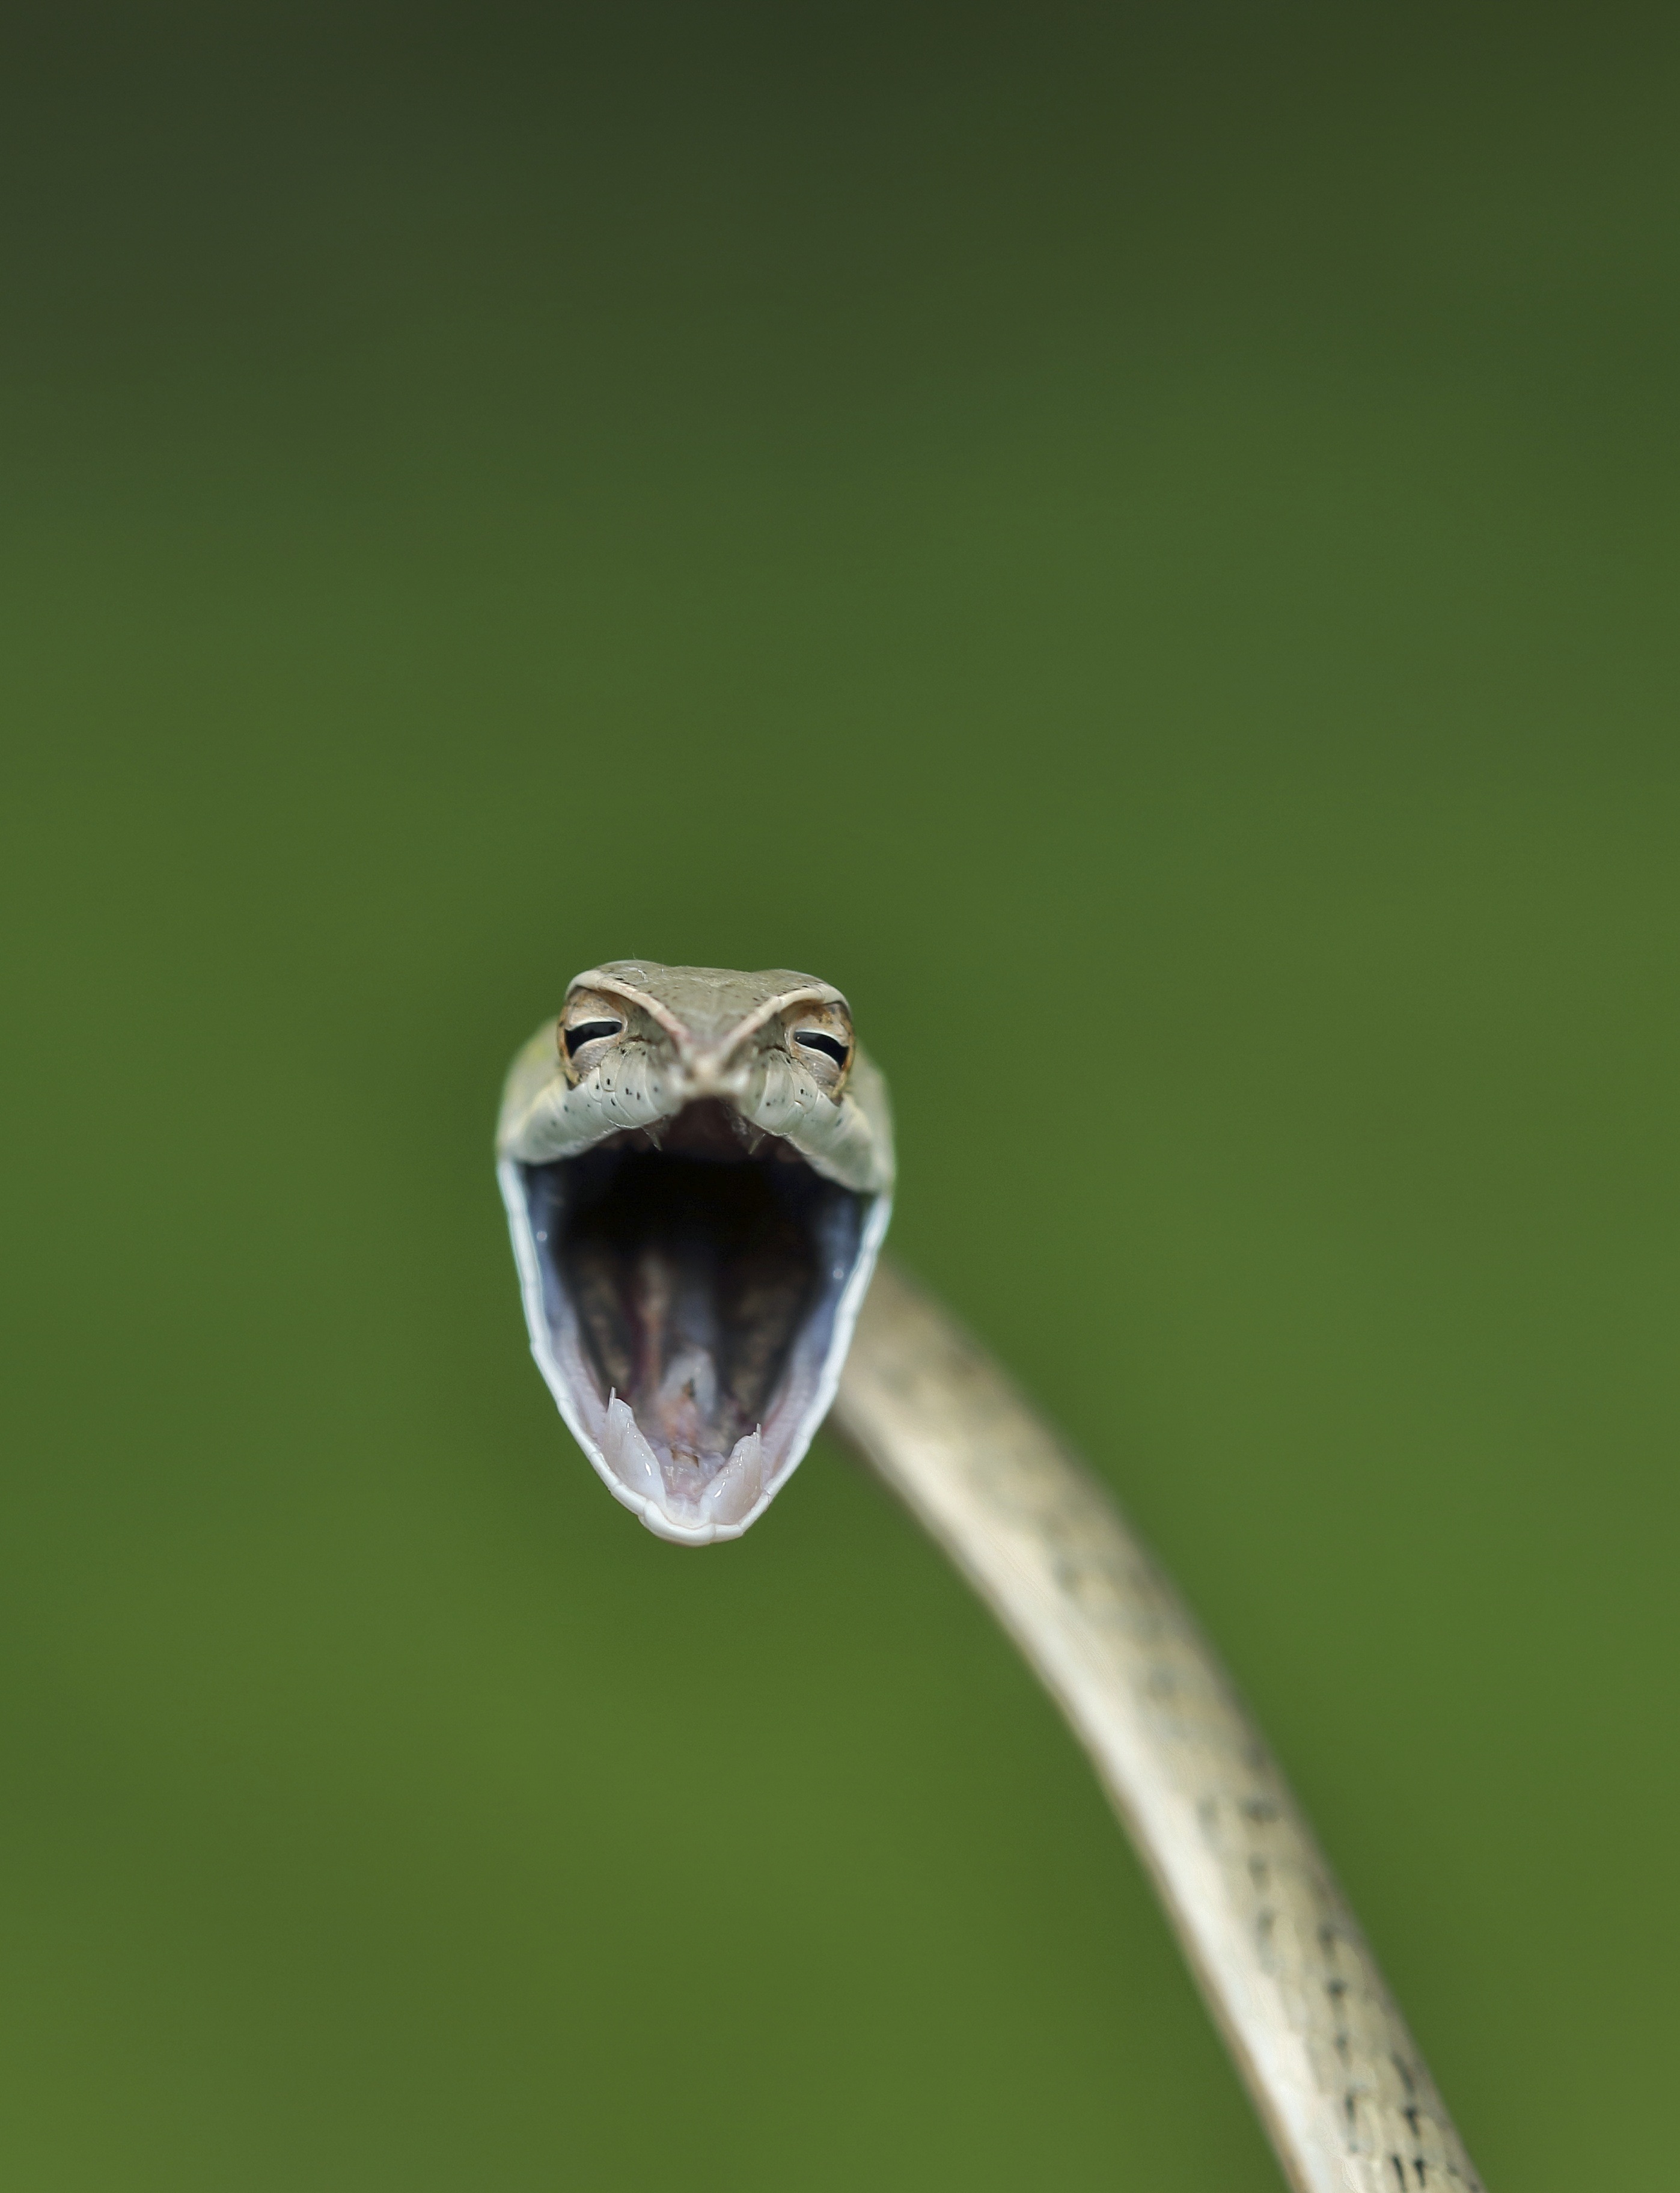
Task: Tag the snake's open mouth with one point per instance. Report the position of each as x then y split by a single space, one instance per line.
692 1296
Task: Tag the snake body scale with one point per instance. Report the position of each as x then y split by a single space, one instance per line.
698 1167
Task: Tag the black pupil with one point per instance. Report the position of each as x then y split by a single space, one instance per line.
831 1045
586 1032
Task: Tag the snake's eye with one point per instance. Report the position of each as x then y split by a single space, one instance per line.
589 1023
821 1040
830 1045
589 1032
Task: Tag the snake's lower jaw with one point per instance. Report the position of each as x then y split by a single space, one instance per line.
720 1507
691 1304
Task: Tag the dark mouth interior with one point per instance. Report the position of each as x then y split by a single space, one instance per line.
694 1270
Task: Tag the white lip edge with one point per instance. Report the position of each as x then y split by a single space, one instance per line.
640 1504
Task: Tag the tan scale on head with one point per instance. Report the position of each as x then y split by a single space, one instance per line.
698 1167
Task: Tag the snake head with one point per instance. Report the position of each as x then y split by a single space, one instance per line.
697 1166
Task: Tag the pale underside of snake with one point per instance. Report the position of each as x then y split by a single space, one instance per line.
697 1170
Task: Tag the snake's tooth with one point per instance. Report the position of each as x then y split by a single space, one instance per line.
738 1484
627 1453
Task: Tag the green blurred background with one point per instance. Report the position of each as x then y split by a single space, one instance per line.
1142 545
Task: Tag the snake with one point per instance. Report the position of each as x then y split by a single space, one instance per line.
698 1168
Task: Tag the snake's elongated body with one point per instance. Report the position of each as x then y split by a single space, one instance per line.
697 1165
1326 2055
